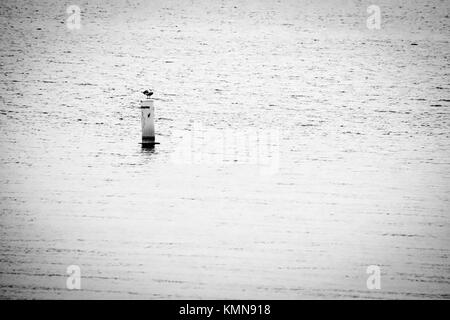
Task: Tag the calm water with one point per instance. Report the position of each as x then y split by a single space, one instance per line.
364 172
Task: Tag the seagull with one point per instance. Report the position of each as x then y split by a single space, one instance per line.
148 93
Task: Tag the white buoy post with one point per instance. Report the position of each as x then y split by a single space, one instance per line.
148 123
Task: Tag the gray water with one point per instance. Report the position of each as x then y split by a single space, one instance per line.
364 166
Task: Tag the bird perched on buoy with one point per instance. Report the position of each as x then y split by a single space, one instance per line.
148 93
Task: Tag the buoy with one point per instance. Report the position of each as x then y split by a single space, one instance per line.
148 123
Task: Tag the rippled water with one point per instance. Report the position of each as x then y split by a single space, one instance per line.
364 172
